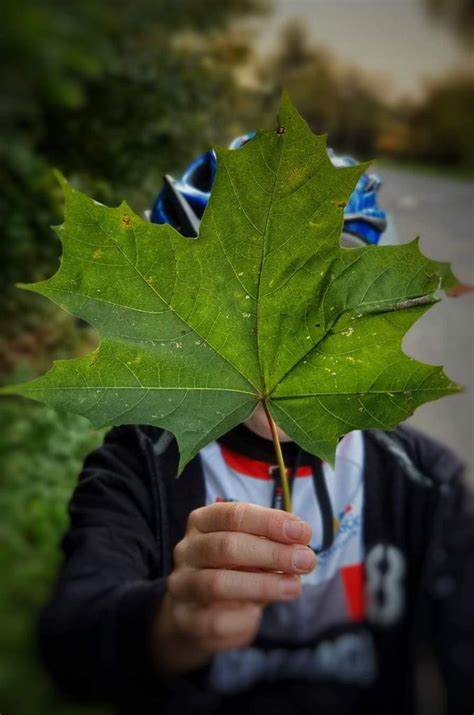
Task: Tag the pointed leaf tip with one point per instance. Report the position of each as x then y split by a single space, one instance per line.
59 176
289 117
286 101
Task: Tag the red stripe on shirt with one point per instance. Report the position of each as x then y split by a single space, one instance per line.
353 580
253 467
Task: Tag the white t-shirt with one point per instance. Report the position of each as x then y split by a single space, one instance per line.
332 593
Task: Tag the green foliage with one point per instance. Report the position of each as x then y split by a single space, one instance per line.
39 333
264 305
105 92
457 14
440 129
41 452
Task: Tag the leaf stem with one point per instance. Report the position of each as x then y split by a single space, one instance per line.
279 456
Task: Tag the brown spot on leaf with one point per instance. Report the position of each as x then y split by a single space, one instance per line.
98 254
342 204
126 221
281 130
149 280
459 289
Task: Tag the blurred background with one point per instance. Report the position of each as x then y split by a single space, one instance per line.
115 94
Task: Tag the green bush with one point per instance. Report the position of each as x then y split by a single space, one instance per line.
41 453
114 94
111 94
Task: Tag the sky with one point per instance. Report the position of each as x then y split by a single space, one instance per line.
392 38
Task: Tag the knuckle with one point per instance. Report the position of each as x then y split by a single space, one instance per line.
254 586
191 520
193 517
202 586
197 587
280 557
276 556
173 584
274 520
227 548
236 515
216 585
268 587
216 625
179 552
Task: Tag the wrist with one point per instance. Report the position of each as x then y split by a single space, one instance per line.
173 652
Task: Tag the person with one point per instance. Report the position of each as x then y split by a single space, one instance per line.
201 595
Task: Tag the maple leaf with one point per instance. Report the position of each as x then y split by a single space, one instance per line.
264 306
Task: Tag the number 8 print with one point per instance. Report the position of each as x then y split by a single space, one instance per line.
385 595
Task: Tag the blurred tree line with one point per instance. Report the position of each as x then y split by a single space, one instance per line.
437 130
337 100
458 14
352 107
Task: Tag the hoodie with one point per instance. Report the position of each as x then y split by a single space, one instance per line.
394 536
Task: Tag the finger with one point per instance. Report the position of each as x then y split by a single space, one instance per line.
213 585
216 622
274 524
237 604
227 549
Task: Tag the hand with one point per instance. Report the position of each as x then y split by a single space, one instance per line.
233 560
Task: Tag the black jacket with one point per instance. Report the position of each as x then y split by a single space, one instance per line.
127 513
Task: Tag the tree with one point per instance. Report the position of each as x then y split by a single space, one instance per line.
458 14
440 125
105 92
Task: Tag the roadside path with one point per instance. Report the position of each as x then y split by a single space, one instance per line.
440 210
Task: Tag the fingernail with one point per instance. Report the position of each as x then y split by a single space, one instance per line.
303 559
293 528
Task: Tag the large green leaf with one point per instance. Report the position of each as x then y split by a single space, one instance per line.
264 305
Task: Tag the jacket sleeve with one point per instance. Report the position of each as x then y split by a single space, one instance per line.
95 633
447 612
452 591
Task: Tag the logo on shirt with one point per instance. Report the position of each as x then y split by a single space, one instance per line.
348 658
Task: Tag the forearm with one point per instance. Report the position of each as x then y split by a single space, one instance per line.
95 641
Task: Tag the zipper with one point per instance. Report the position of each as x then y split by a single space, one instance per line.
154 452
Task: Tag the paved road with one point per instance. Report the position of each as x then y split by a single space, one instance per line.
440 210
